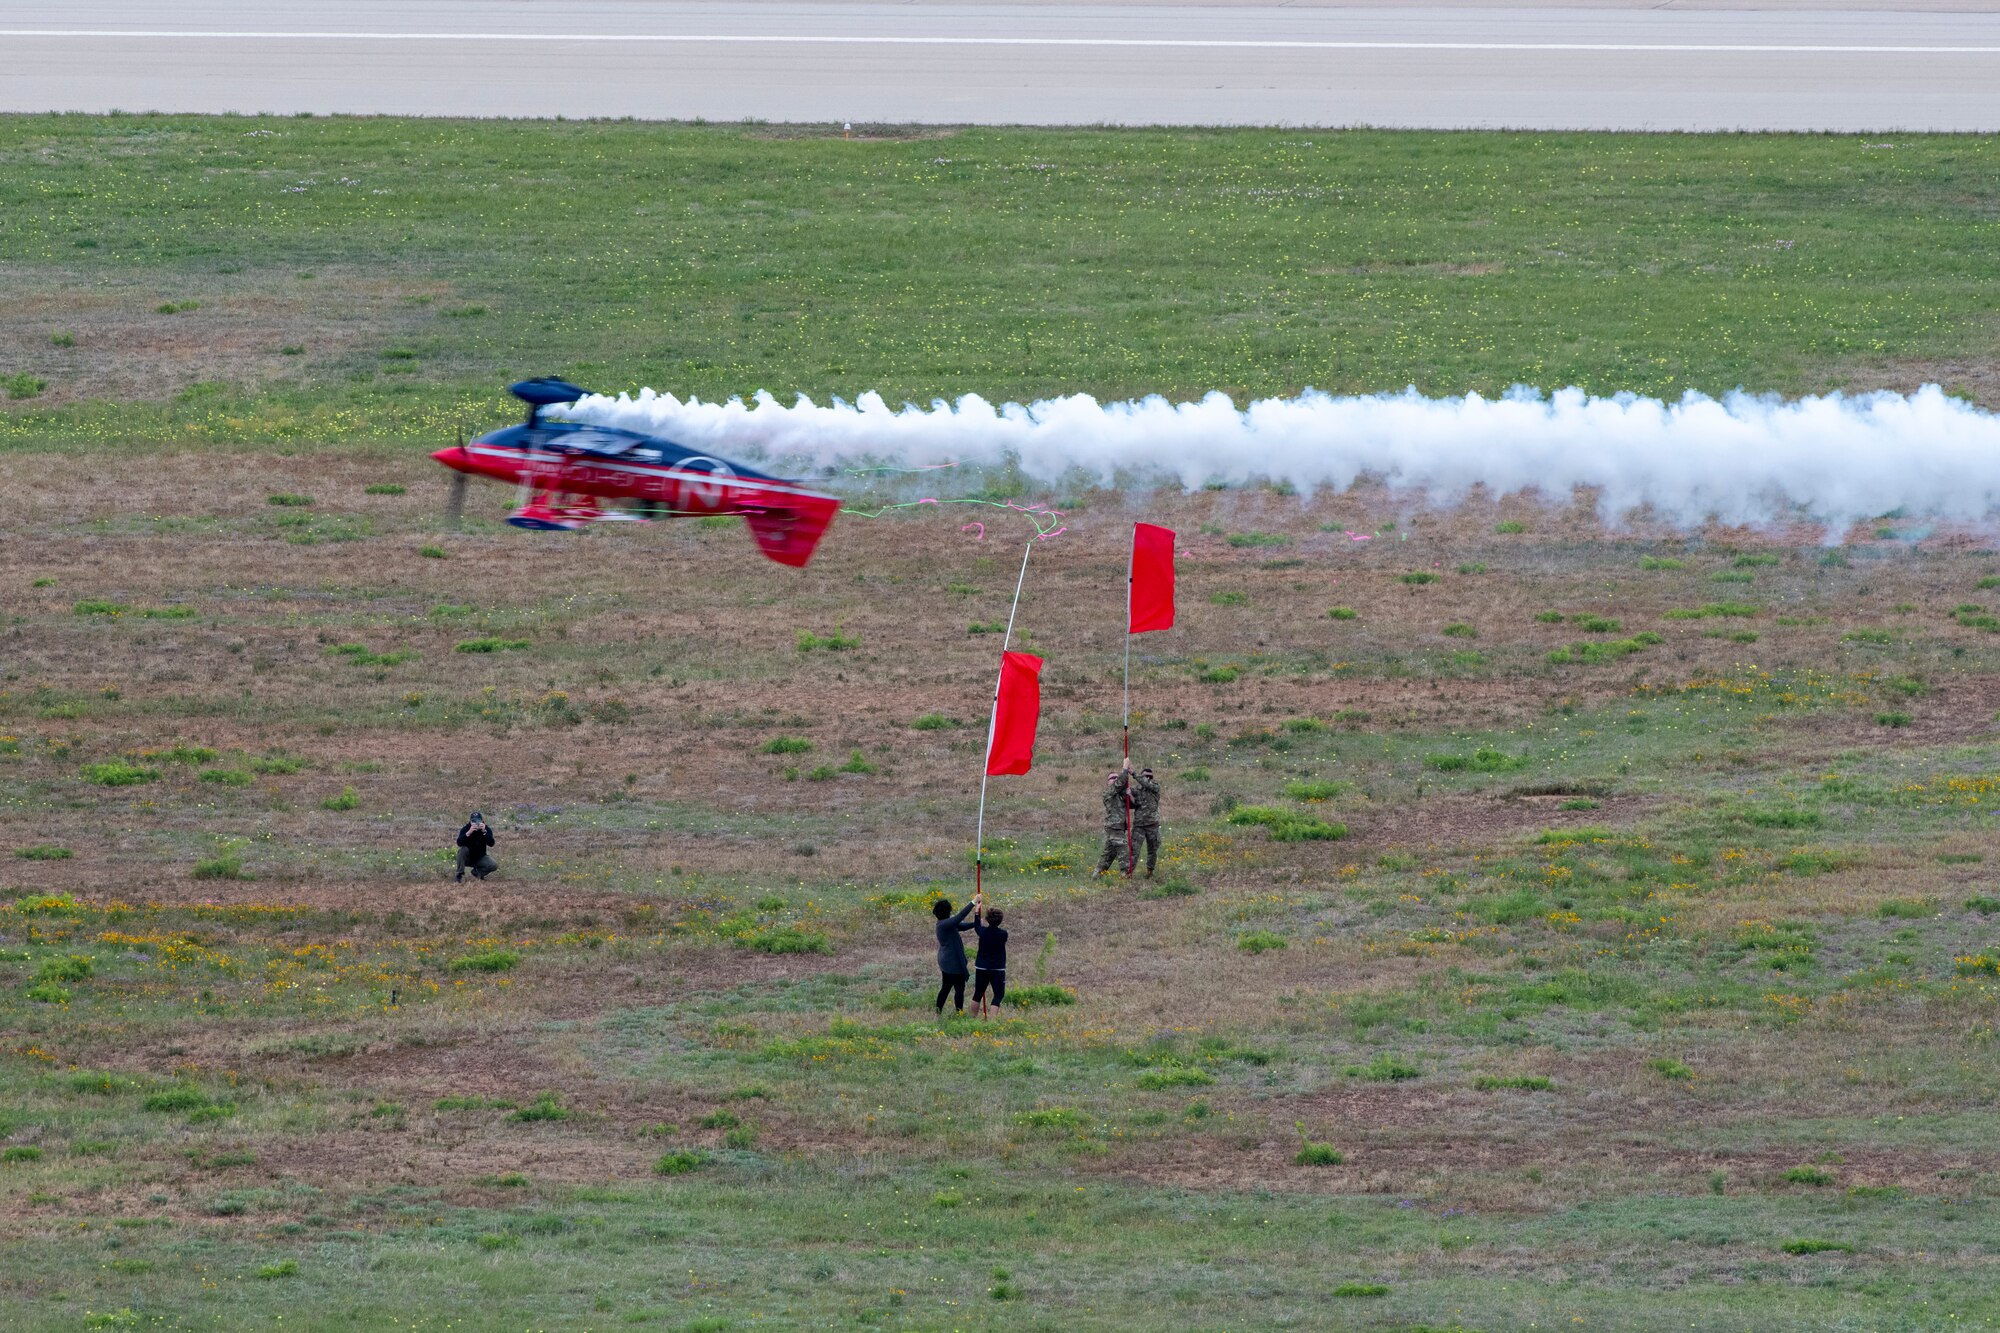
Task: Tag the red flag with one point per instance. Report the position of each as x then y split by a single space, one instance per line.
1011 747
1150 602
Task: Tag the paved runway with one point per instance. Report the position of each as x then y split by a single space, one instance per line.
1616 64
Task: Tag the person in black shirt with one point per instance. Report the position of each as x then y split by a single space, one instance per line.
475 841
951 951
992 969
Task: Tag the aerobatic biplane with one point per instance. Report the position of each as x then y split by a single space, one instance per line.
568 471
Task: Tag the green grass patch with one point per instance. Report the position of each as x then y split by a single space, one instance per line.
487 960
492 644
118 773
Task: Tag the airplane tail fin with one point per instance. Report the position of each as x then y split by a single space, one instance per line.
787 531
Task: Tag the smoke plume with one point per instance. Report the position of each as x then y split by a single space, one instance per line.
1739 459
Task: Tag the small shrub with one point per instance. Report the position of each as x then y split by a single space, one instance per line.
62 340
44 852
438 553
934 722
1244 540
181 1098
788 939
283 1268
1474 568
1461 630
118 773
1904 909
1169 888
286 500
1040 995
227 777
836 642
21 1152
223 865
1731 576
347 800
1510 526
1416 578
547 1106
1361 1289
1312 791
858 763
47 992
1221 675
724 1119
1385 1068
1670 1069
92 606
1808 1175
987 627
1983 905
1661 562
276 765
1342 613
1174 1076
1515 1082
1318 1154
1549 617
1810 1246
23 385
383 488
490 960
1597 625
786 745
680 1163
490 644
1261 941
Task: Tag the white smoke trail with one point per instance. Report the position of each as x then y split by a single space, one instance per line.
1741 459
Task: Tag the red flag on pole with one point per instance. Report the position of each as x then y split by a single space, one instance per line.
1016 710
1152 596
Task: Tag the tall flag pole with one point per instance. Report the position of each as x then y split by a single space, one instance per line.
1149 606
1010 732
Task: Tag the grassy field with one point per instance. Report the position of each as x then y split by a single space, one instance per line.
1556 927
1590 929
315 280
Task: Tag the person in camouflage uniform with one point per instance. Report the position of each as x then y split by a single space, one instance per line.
1116 788
1146 817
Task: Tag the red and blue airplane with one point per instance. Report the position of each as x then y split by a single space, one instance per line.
567 469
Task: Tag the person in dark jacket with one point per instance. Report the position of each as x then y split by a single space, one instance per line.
475 842
951 951
992 969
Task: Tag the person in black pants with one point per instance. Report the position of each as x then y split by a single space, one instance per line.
475 841
992 969
951 951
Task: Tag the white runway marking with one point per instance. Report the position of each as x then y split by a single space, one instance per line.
1148 43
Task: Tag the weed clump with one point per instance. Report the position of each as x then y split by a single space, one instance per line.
287 500
1040 995
935 722
489 960
1512 1082
348 799
1416 578
680 1163
491 644
1261 941
836 642
1384 1068
547 1106
44 852
1361 1289
788 939
786 745
1288 825
1318 1154
1811 1246
118 773
1342 613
